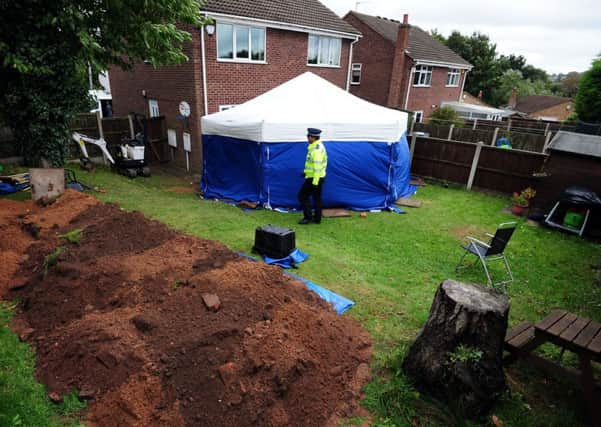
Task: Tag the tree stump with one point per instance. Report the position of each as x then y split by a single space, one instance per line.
457 357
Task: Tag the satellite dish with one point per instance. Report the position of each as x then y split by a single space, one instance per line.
184 109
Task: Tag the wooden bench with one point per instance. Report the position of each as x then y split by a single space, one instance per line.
570 332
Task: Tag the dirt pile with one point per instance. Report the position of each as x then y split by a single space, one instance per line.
119 316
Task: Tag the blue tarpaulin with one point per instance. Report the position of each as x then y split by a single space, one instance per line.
296 257
361 175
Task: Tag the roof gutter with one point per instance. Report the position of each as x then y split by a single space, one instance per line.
442 64
280 25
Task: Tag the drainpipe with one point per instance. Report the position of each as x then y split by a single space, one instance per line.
204 71
350 63
463 84
409 86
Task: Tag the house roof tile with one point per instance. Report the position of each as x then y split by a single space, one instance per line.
422 46
533 103
306 13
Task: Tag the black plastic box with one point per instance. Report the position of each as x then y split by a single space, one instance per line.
273 241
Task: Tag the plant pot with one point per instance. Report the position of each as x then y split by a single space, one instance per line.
518 210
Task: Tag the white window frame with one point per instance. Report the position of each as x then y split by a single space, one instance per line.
418 116
356 67
319 37
153 108
454 74
235 48
423 74
226 107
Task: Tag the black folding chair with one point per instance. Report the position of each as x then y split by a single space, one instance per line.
491 251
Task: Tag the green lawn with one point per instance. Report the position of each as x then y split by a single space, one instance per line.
391 265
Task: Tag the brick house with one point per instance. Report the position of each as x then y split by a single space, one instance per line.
542 107
251 47
402 66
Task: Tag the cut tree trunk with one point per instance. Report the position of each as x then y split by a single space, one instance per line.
457 357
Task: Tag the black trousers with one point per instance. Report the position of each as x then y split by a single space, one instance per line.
304 195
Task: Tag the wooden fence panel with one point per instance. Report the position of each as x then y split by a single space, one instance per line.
442 159
525 141
507 171
115 128
469 135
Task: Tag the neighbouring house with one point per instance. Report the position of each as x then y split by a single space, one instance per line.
541 107
474 108
402 66
251 47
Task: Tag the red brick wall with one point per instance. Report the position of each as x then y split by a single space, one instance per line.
169 86
422 98
376 55
560 111
286 57
227 82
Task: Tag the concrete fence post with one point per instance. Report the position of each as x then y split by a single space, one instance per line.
451 131
412 126
494 137
475 161
475 125
412 148
508 125
547 128
101 135
547 142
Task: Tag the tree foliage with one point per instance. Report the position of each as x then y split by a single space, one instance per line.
588 98
47 48
446 116
492 74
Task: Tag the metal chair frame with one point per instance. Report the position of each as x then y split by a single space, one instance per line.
482 249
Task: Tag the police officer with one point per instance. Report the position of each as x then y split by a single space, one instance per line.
314 173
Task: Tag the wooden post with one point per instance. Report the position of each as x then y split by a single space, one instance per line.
101 135
131 126
451 131
508 125
547 142
547 128
412 148
475 125
475 161
494 137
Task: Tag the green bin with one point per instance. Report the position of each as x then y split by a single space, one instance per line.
573 220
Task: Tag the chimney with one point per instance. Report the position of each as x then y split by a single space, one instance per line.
513 99
396 89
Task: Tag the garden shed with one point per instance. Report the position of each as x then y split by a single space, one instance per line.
256 150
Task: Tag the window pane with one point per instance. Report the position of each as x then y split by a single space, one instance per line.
334 58
242 42
225 41
416 78
313 49
258 44
428 77
324 49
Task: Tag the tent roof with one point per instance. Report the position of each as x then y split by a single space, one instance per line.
284 113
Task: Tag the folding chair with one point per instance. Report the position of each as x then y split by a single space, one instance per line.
491 251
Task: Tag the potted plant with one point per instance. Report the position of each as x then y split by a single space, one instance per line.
520 201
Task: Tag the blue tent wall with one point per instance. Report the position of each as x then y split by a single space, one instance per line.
360 175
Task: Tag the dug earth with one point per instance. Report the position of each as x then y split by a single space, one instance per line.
157 328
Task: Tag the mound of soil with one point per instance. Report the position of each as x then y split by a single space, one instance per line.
121 317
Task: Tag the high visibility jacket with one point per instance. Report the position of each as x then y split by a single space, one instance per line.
317 161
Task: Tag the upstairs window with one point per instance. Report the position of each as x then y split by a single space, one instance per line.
453 77
423 76
356 74
153 108
324 51
240 43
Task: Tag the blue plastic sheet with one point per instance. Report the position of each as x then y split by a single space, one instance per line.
361 175
296 257
338 302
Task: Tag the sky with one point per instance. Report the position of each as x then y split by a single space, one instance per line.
558 36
